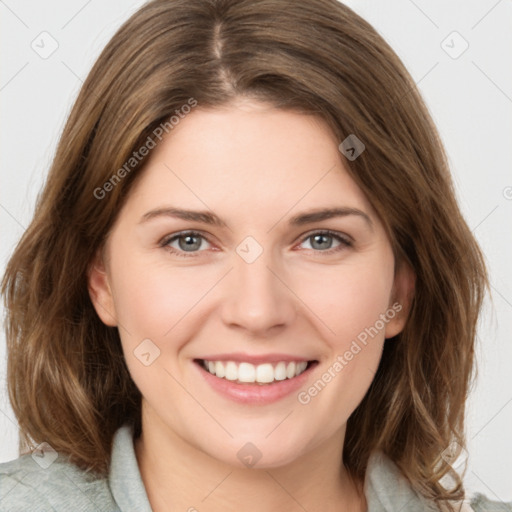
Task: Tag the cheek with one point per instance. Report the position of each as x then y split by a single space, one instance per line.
351 306
349 299
151 297
154 301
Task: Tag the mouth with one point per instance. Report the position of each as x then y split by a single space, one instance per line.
265 374
254 384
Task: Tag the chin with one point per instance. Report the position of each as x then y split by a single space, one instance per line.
258 453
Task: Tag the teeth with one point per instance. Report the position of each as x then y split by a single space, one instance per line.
261 373
231 371
280 371
247 372
219 370
264 373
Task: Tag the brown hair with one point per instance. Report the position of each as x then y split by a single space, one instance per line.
67 378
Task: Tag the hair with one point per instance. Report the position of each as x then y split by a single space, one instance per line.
68 382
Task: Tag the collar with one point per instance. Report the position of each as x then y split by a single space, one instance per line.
125 480
385 488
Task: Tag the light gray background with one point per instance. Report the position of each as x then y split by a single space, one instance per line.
470 98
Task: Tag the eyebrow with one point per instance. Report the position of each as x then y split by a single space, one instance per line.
207 217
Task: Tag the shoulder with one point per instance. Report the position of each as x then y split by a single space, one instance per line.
480 503
387 490
43 484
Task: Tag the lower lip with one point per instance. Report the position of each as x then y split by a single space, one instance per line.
253 393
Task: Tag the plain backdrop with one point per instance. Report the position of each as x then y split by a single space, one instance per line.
459 54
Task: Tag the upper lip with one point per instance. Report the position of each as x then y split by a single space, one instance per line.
255 359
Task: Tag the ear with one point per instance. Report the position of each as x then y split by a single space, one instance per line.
100 291
401 299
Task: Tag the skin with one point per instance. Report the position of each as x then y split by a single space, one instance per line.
254 167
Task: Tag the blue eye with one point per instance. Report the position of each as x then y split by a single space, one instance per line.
319 237
190 242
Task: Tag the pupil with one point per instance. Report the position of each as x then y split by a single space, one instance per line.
189 242
320 237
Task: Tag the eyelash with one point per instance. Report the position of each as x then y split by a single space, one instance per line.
344 242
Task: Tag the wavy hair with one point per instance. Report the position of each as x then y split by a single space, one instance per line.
68 382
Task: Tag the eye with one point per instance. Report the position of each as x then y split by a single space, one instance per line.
189 243
322 241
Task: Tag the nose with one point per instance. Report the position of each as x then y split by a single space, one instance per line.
256 297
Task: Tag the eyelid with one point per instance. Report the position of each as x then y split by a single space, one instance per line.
344 239
331 232
173 236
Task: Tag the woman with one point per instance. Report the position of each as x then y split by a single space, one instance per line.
179 339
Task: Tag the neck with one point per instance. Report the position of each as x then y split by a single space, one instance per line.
178 476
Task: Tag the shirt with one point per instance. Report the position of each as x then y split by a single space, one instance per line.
49 482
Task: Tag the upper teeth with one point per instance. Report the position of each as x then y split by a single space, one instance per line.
261 373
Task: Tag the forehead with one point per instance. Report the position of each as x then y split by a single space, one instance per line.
248 158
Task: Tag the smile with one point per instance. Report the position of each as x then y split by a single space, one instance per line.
247 373
254 384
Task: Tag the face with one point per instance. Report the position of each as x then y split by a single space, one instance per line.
254 288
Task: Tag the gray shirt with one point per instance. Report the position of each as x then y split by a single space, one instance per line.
49 482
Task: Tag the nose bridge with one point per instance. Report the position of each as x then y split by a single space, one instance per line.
256 298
